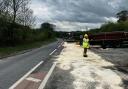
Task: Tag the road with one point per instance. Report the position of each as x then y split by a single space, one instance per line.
13 68
118 56
97 71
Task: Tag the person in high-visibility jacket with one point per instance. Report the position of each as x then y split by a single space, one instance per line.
85 44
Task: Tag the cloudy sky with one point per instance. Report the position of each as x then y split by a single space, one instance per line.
70 15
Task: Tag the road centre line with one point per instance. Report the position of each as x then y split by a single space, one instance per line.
22 78
44 82
52 52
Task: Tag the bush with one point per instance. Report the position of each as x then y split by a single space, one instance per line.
110 27
12 34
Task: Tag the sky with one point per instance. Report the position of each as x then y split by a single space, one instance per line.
77 15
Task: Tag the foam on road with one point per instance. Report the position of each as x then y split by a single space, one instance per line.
77 72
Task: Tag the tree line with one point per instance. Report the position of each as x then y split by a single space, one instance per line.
120 25
16 20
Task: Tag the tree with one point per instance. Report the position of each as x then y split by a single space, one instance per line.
16 11
48 29
47 26
26 18
16 8
123 16
4 10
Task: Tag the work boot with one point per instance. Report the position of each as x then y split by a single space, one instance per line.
85 55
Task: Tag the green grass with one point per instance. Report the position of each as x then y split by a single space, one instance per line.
5 51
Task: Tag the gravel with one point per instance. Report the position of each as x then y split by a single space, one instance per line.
77 72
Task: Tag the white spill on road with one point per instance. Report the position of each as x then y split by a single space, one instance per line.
76 72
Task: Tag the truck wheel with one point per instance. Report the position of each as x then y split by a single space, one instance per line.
116 44
103 45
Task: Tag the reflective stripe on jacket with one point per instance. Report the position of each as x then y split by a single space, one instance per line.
85 43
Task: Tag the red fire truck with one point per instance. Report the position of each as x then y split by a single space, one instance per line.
109 39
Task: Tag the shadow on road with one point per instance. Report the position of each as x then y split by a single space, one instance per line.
59 80
117 56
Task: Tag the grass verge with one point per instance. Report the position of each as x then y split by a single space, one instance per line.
7 51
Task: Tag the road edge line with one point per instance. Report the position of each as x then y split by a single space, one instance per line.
44 82
52 52
28 73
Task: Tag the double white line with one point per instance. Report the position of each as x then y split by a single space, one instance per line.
56 49
34 68
25 76
44 82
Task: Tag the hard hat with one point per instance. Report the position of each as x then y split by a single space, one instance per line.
86 35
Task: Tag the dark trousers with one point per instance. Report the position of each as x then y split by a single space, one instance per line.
85 51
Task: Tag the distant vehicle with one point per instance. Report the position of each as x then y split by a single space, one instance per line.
109 39
70 37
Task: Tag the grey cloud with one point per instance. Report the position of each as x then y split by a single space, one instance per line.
123 5
83 11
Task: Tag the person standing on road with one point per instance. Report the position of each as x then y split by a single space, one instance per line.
85 44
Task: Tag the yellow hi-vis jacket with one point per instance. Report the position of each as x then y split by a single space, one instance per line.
85 43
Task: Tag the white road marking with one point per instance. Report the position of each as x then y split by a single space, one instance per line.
52 52
22 78
47 76
33 79
59 46
62 43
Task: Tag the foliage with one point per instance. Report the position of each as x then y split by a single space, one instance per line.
5 51
16 20
123 16
120 25
13 34
48 29
110 27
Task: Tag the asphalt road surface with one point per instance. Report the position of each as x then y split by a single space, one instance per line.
13 68
73 71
